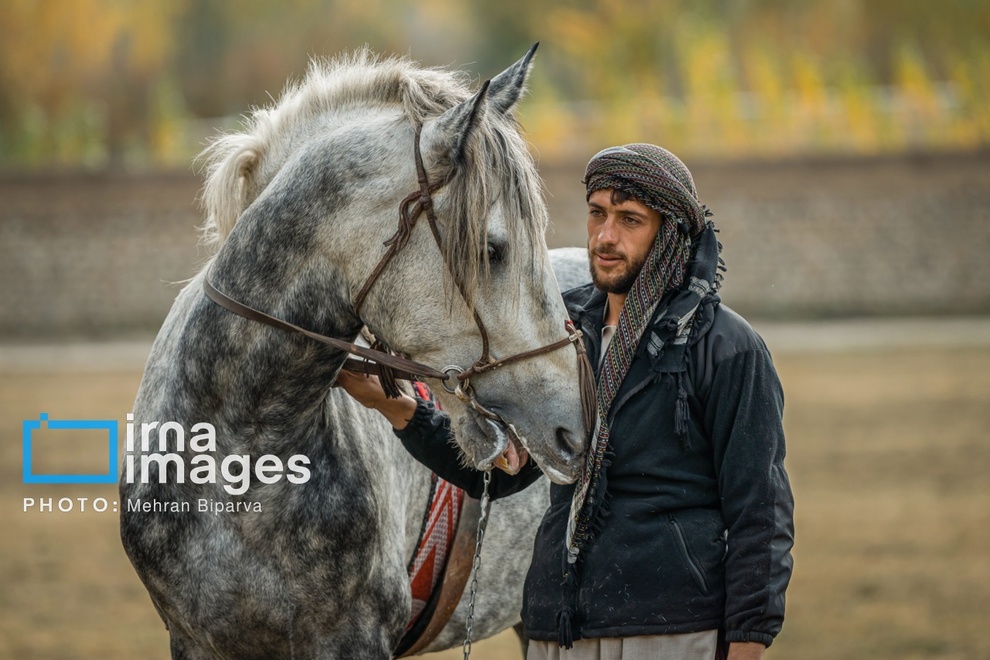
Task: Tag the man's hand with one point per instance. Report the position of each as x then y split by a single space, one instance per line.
746 651
367 391
365 388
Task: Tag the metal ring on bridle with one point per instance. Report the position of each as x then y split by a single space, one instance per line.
451 371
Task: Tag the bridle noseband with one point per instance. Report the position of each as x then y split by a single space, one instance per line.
389 366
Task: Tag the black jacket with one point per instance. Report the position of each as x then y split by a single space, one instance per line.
700 527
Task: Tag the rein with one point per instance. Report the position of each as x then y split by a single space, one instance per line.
404 366
453 378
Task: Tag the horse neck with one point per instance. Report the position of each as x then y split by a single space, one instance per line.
209 365
261 383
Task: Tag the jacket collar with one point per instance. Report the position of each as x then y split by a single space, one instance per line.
586 306
584 301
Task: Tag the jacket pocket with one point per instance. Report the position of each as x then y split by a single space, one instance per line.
692 562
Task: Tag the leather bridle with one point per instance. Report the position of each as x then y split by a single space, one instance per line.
389 366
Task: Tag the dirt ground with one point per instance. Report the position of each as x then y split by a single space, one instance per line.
888 457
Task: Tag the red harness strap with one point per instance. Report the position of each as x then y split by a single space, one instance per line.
430 559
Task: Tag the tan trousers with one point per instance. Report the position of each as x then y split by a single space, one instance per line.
690 646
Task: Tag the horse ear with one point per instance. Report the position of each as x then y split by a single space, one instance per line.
446 135
509 85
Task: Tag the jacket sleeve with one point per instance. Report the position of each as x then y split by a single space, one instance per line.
744 418
429 440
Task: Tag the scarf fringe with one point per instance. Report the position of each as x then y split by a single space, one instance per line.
602 497
681 413
603 512
598 502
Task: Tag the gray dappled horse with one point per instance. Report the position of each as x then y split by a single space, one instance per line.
298 207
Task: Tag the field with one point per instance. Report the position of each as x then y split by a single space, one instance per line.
888 457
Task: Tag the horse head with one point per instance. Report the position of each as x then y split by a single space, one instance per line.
309 199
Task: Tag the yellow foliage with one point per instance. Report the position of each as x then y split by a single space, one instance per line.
51 47
80 80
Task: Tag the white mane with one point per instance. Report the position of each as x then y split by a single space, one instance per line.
239 165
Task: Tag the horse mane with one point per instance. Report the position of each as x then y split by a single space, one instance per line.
496 163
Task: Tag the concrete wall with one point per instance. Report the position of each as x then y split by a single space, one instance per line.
93 255
101 254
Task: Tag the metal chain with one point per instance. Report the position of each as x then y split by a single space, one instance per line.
482 524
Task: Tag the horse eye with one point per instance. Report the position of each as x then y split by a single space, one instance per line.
496 253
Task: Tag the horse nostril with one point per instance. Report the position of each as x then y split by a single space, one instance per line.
570 442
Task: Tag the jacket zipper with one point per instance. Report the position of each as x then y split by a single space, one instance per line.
699 576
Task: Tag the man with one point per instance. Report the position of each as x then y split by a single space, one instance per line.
675 541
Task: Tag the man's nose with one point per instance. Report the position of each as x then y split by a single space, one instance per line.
607 233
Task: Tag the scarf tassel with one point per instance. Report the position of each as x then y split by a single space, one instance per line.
565 627
565 635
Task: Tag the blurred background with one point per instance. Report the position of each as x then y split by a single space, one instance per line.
842 144
98 84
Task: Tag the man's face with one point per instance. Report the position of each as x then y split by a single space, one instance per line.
619 239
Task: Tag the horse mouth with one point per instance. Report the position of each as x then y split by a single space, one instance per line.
514 456
510 452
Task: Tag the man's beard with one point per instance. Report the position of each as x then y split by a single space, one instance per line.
621 284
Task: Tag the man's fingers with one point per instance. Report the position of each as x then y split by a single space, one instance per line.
363 387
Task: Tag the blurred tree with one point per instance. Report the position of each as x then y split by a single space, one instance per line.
75 77
106 82
506 27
